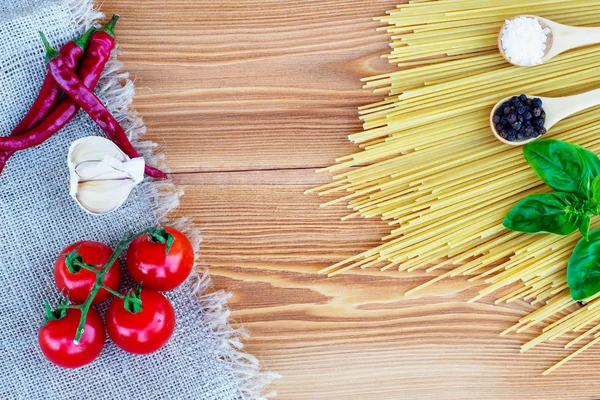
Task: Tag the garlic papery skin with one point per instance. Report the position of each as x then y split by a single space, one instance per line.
101 175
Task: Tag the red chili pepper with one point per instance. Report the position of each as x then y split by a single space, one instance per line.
92 105
97 55
48 95
85 98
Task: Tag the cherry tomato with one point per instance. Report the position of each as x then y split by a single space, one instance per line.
148 263
145 331
78 286
56 339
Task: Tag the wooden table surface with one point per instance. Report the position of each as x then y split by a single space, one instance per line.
250 97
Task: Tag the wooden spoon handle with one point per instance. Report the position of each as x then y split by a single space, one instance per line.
558 109
572 37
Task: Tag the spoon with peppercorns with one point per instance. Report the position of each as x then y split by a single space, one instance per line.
518 120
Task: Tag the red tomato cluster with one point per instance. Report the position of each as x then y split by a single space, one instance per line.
140 331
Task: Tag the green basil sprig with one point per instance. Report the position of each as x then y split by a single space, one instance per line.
583 273
562 166
558 213
573 172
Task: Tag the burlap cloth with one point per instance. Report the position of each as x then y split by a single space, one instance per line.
203 359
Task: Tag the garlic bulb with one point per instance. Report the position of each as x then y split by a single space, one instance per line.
102 176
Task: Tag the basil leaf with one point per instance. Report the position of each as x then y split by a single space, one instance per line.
559 164
584 228
591 161
585 187
583 272
550 212
596 189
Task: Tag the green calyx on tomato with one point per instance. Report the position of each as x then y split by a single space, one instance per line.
74 261
573 172
132 301
59 312
160 235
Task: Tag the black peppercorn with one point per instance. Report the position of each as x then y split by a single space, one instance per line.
520 117
529 131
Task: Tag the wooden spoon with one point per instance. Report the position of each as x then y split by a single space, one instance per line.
560 39
556 108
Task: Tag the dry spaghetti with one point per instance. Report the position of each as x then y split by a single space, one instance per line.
431 168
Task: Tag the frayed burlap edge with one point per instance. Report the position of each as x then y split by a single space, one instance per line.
117 91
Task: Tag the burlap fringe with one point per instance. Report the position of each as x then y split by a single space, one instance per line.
117 91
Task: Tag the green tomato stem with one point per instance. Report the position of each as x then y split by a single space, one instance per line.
113 292
85 266
68 306
101 274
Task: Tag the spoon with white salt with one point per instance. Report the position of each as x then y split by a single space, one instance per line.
529 40
556 109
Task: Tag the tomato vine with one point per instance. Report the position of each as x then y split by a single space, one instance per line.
75 263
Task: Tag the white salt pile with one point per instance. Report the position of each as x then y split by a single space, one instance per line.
524 40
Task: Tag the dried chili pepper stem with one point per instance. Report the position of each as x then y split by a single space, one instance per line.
91 104
109 28
158 234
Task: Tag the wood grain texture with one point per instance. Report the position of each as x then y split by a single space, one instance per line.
249 97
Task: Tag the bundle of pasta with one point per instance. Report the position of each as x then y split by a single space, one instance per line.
431 168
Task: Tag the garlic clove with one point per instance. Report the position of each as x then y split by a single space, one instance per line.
133 168
102 176
101 197
93 170
94 148
111 168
